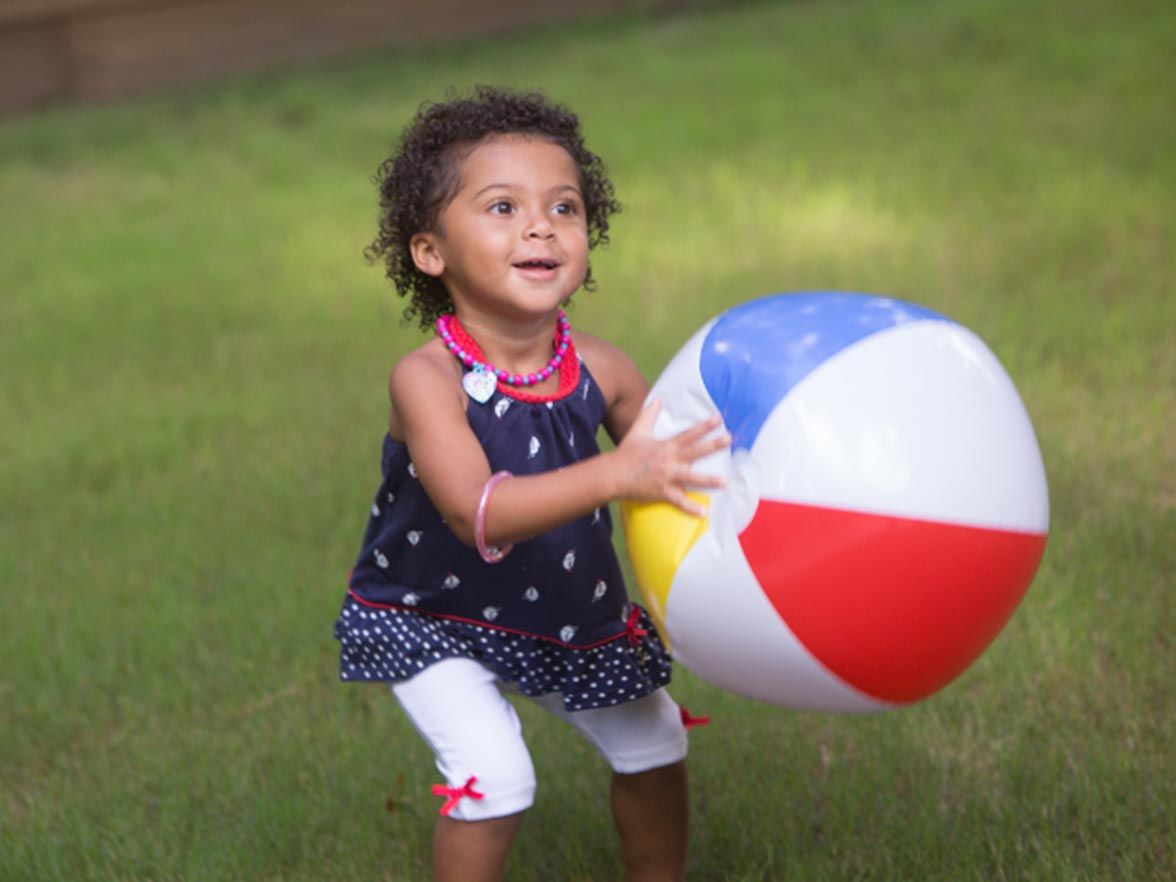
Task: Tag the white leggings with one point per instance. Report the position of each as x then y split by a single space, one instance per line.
459 708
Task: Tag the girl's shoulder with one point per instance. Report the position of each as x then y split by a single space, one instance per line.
431 360
423 378
604 359
619 379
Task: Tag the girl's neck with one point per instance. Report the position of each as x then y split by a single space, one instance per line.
516 347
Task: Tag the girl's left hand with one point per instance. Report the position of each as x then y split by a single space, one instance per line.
661 470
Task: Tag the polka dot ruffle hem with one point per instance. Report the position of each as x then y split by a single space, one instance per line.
392 645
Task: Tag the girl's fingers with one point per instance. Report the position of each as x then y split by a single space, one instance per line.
687 504
706 447
698 479
699 430
710 445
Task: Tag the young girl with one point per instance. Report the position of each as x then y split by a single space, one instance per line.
487 565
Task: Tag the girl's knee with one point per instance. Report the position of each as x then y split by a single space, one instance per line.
496 790
636 737
489 774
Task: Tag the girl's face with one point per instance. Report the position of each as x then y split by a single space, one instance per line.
513 240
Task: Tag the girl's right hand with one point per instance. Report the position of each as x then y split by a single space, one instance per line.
653 470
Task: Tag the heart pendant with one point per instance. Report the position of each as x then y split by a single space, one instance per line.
479 385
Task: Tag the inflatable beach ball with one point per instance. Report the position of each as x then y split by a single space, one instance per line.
884 513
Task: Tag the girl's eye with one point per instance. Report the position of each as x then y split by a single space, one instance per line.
501 207
567 208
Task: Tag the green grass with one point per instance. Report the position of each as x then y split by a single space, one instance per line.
193 366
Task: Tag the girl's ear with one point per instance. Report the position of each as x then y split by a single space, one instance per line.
426 254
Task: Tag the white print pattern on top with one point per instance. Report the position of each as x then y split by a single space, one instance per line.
490 613
531 594
375 510
595 516
533 449
391 497
413 537
451 581
569 561
381 561
501 406
567 632
599 592
411 599
412 470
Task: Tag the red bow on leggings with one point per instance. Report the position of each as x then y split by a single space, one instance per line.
454 794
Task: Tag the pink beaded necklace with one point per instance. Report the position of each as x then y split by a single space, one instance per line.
481 382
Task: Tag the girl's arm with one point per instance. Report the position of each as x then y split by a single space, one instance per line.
428 412
622 384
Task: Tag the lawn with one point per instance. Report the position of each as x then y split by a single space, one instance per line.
193 393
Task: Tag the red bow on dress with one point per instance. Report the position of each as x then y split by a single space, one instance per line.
632 631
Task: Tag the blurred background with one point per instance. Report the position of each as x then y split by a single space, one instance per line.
193 366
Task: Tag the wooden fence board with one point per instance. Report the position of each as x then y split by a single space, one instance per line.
33 66
101 50
55 10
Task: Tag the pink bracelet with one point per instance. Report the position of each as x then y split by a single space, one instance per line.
491 554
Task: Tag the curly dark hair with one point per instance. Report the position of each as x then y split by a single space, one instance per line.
418 181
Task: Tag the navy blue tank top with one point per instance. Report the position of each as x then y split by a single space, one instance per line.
565 585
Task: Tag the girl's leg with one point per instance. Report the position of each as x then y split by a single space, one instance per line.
476 736
473 851
645 743
651 811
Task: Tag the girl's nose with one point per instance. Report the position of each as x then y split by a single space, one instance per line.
539 227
